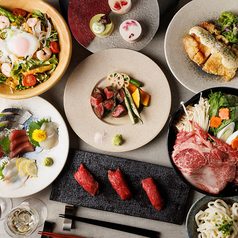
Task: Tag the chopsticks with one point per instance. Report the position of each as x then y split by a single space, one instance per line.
125 228
57 235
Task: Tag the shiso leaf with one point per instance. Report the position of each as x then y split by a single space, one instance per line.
32 126
1 169
5 143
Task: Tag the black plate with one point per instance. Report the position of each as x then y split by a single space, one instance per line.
230 189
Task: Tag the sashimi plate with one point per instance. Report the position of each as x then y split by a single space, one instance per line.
93 72
185 70
40 109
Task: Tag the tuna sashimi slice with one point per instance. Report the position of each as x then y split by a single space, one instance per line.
21 149
16 133
16 142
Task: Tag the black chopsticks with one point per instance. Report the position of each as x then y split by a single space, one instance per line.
125 228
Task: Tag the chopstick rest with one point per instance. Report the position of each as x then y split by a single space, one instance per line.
125 228
67 224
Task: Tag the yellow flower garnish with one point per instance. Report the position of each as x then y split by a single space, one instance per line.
39 135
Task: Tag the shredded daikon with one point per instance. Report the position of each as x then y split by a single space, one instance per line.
198 113
219 220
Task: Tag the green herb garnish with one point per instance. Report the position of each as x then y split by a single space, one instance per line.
5 143
1 169
33 125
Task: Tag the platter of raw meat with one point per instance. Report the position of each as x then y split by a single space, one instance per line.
172 189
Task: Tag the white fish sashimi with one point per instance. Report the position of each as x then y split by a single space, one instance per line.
51 140
13 179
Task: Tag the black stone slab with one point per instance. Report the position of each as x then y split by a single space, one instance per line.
173 190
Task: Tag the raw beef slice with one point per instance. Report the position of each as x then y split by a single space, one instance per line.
206 165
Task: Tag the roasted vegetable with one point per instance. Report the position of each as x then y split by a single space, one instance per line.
128 106
133 106
136 97
145 98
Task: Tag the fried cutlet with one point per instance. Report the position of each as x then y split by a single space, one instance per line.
201 54
214 66
196 50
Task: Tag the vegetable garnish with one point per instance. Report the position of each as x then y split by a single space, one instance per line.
5 143
234 143
29 80
215 121
54 46
1 169
224 113
39 135
33 125
18 11
228 23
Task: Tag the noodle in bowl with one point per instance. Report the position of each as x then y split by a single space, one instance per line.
211 217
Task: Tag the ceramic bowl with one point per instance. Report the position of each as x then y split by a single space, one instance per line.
201 204
230 189
64 42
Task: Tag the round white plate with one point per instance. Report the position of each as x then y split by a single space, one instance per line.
40 109
185 70
93 71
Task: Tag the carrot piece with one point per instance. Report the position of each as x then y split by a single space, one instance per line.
234 143
215 121
224 113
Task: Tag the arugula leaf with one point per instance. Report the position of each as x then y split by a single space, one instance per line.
2 78
32 126
1 169
5 143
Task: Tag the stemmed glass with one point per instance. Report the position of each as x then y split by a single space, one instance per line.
5 207
23 220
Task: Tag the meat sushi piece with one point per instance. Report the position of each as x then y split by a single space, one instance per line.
21 149
86 180
152 192
119 183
